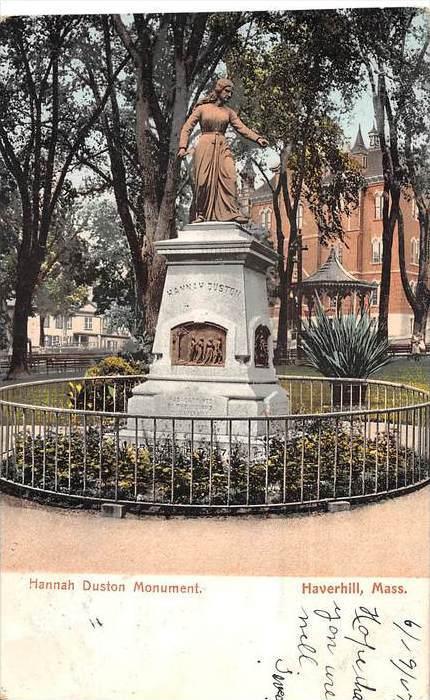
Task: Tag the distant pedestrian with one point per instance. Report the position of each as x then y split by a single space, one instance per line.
418 346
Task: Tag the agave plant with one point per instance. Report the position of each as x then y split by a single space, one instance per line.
344 346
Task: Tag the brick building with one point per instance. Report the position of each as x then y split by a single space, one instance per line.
361 253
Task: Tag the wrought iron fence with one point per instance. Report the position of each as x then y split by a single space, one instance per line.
343 439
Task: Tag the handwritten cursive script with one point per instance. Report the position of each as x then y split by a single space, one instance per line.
344 650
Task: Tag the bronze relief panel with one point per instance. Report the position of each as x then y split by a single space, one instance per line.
261 346
200 344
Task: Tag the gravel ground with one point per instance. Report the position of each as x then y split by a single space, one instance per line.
389 538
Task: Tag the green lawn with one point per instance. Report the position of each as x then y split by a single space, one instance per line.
402 370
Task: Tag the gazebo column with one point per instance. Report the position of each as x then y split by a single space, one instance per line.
310 303
368 304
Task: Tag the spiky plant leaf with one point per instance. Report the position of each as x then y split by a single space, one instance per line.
344 346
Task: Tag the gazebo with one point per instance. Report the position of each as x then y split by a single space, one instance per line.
336 283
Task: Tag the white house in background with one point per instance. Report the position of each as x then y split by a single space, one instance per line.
84 329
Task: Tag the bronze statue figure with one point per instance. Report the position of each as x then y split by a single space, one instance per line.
215 196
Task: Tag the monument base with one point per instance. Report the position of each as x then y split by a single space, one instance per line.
213 346
207 403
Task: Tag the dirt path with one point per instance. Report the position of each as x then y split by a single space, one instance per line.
390 538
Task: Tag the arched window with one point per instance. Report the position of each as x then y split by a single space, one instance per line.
414 208
376 250
415 253
300 216
266 218
339 252
379 200
374 295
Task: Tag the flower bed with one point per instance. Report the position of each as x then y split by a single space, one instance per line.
318 461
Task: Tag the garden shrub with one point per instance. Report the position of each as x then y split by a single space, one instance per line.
102 396
111 366
346 346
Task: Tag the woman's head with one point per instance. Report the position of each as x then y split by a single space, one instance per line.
222 92
224 89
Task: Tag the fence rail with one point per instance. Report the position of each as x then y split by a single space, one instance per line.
57 362
343 439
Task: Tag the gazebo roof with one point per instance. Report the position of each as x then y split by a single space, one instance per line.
333 276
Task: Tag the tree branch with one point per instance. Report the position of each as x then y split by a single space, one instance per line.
53 140
82 133
260 168
126 39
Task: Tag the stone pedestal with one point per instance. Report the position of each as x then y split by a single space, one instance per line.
213 345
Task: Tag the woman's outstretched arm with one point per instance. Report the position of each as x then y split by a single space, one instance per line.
188 128
243 130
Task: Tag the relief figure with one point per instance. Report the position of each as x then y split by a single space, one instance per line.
261 346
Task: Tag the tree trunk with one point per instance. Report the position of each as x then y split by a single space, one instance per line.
420 300
41 331
285 305
28 269
391 171
420 321
154 289
285 267
281 340
390 216
23 295
384 296
423 286
145 155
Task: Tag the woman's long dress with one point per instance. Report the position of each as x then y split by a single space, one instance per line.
213 165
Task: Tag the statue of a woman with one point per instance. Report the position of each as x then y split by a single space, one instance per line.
215 196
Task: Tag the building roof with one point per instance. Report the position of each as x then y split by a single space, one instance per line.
373 172
333 276
264 193
373 131
89 308
359 145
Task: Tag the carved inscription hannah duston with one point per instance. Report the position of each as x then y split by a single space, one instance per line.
198 344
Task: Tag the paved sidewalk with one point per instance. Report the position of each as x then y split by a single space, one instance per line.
389 538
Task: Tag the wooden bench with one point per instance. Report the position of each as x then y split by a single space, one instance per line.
56 363
404 349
